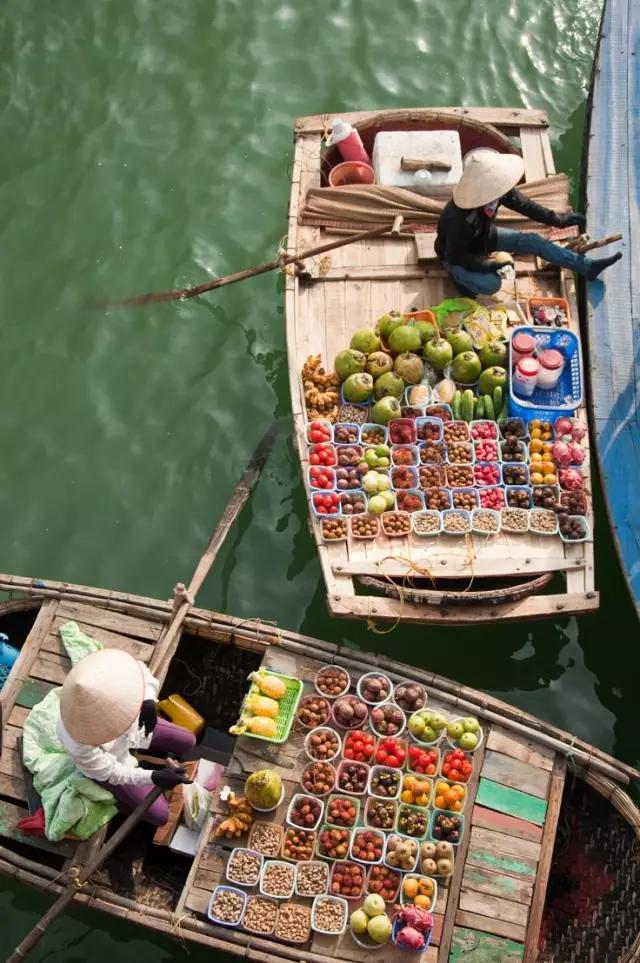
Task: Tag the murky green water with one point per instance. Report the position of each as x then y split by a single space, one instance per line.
147 146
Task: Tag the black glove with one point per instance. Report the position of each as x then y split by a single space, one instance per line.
573 220
168 777
148 716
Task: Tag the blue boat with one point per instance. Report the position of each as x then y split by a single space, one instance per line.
613 307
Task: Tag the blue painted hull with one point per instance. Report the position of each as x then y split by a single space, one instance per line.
613 306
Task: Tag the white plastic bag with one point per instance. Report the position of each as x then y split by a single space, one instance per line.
196 805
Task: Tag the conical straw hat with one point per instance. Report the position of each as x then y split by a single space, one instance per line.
101 696
487 175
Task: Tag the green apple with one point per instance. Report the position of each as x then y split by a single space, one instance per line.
389 497
438 722
382 451
471 724
383 462
371 458
429 734
455 730
468 741
359 921
416 725
377 505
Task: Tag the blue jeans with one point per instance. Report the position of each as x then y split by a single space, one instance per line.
470 283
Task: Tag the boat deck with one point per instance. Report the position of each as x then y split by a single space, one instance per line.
495 898
42 665
353 286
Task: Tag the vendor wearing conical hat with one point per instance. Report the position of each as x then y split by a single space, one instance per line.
467 234
108 708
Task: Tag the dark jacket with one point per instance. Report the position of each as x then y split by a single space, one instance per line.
466 237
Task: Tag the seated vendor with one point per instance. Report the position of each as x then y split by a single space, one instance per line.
108 708
467 234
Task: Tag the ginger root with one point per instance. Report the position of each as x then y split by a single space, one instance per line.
239 819
321 391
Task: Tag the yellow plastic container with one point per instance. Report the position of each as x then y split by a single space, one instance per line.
181 713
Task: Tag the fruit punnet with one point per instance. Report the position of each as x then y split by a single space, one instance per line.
401 853
457 766
449 795
313 711
334 843
385 782
353 777
447 828
318 778
374 687
438 858
423 761
410 696
350 712
416 791
305 812
419 891
385 882
319 432
367 845
390 751
380 813
359 746
347 879
342 811
387 719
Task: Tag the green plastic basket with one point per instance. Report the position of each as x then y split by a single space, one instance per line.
287 707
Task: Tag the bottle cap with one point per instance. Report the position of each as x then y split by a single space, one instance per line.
551 359
528 367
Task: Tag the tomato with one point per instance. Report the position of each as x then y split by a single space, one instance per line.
430 770
454 774
348 753
393 761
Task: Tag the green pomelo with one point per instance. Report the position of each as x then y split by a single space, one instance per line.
388 384
466 368
379 363
493 353
365 340
349 362
405 337
385 409
358 387
409 366
263 788
388 323
492 378
460 341
438 353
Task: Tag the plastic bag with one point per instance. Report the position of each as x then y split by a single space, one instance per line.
451 312
196 805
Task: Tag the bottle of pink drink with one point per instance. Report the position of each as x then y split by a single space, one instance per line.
348 141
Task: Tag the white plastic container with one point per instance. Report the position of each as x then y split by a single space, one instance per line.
443 145
551 364
338 900
525 377
277 862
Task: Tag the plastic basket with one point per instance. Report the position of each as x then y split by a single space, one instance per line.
348 495
491 488
338 789
364 538
567 395
438 471
377 769
451 783
377 832
431 513
452 482
398 883
300 867
323 445
454 744
437 423
514 531
404 493
388 532
456 511
325 424
358 455
484 421
518 488
466 490
411 840
370 425
535 531
226 889
377 799
413 449
319 850
439 410
516 421
487 441
229 869
397 926
440 450
487 511
516 464
407 397
287 707
328 471
454 450
298 797
315 511
346 424
449 440
405 901
353 800
448 813
339 901
343 522
585 528
405 423
377 675
419 809
277 862
487 464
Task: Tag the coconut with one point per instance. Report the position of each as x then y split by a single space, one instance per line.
388 384
384 410
388 322
405 337
491 378
379 363
349 362
460 341
427 330
263 788
365 340
358 387
466 368
493 353
438 353
410 367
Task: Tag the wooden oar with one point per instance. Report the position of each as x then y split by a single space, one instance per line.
278 262
66 897
162 655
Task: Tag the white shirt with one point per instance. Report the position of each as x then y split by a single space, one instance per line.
113 762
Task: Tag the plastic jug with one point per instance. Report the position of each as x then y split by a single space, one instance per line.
179 711
348 141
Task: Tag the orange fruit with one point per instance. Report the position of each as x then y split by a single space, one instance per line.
441 786
536 433
409 782
440 804
456 806
550 479
536 456
536 445
425 885
407 796
536 423
410 887
422 799
422 901
537 478
547 435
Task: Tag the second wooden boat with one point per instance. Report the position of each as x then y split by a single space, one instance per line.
550 851
416 579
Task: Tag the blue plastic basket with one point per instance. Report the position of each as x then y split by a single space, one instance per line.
394 938
567 395
4 674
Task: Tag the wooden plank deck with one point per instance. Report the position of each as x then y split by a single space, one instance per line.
42 665
359 283
490 909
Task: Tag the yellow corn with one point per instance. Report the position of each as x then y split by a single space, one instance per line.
262 706
269 685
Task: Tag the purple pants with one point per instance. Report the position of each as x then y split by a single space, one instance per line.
167 737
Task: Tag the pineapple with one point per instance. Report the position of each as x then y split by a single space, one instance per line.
269 685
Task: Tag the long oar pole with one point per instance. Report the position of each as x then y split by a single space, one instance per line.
67 896
279 262
167 644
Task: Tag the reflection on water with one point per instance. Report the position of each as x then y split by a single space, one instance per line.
149 147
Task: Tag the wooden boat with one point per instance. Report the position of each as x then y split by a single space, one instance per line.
612 164
441 580
549 857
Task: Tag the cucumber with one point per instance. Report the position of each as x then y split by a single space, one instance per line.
455 405
480 408
497 401
489 410
466 408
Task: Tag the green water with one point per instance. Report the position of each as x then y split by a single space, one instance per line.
148 146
